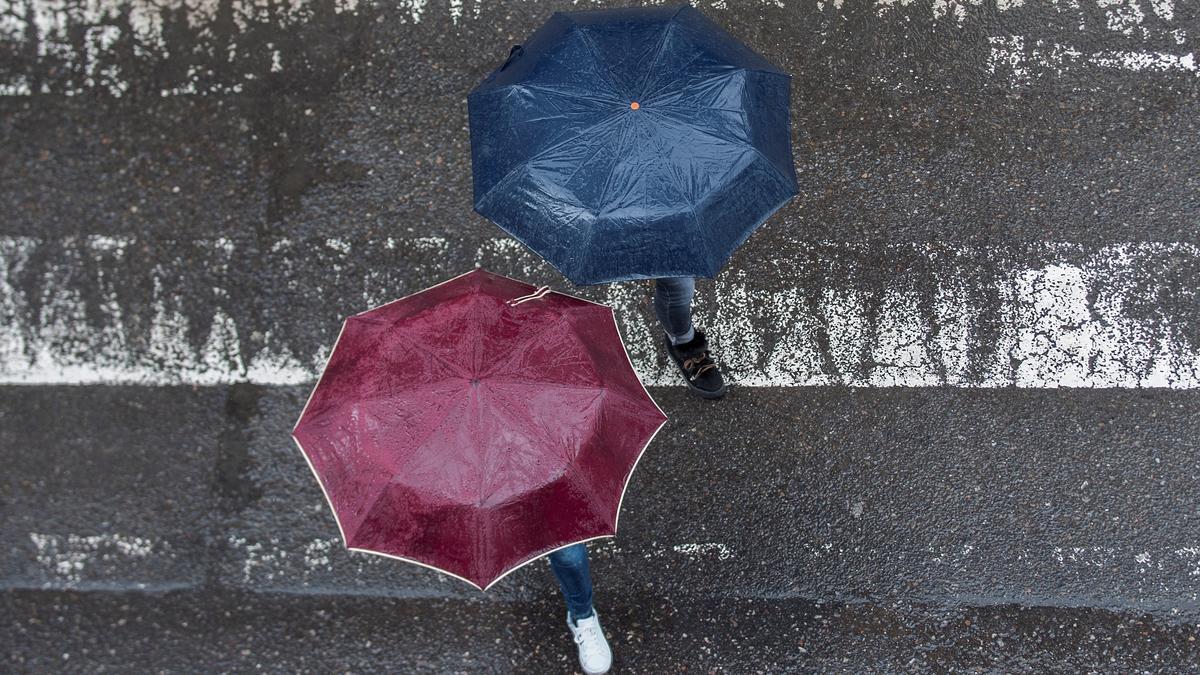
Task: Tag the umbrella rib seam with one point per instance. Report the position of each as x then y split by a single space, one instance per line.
738 71
608 179
396 471
754 147
549 90
659 52
608 73
525 163
562 316
543 435
751 146
699 228
373 398
367 512
721 32
650 96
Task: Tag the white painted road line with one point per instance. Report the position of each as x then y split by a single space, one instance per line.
1025 61
68 561
81 35
820 314
313 565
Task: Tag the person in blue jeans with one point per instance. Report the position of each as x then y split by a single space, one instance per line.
686 345
570 566
688 349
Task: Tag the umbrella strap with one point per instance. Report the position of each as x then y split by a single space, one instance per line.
540 292
517 50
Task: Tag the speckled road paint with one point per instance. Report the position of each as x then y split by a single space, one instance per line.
52 28
97 310
965 432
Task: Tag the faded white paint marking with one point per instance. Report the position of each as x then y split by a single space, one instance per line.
337 244
259 561
1124 16
1073 319
956 9
655 550
67 558
81 35
1022 62
1165 9
276 562
80 561
706 549
1192 555
1149 61
317 552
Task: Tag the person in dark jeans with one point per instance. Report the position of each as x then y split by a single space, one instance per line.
686 345
570 566
688 348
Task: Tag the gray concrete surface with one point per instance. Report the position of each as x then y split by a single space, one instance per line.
968 352
246 632
930 496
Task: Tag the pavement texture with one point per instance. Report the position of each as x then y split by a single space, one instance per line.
249 632
966 356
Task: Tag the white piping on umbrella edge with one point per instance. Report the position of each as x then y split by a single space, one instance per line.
502 276
427 288
479 268
613 312
629 477
620 502
491 583
348 547
313 469
343 330
346 542
317 384
624 488
616 518
328 501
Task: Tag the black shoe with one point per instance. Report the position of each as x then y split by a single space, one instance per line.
698 368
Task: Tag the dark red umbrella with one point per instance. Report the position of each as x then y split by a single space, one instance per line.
477 425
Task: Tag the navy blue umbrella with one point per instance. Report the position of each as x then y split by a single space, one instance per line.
632 143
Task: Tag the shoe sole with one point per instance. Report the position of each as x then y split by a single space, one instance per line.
702 393
705 394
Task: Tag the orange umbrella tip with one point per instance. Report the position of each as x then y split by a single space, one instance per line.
634 105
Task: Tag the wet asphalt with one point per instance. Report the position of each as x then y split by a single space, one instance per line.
831 529
248 632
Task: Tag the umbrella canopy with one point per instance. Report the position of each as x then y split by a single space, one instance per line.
632 143
470 429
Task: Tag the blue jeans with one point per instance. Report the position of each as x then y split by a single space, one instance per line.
570 566
673 305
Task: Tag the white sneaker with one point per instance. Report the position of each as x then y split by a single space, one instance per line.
595 657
